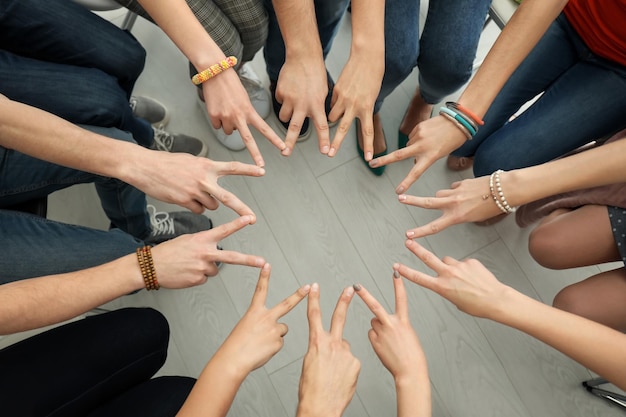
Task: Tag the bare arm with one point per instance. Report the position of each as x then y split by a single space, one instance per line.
55 140
358 86
474 290
437 137
226 99
464 202
254 340
180 263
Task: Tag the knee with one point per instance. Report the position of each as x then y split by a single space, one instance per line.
439 78
107 105
543 245
571 300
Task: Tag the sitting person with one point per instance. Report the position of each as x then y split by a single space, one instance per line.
239 28
572 52
581 225
87 71
37 159
303 92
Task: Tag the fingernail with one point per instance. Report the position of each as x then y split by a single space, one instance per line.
402 197
332 152
368 156
396 274
261 171
325 149
349 291
396 266
400 189
315 287
306 288
260 163
374 163
410 234
261 262
246 219
286 151
409 242
357 287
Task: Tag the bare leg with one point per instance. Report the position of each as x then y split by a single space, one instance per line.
581 237
417 112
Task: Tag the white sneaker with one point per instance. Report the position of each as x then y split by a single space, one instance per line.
234 141
259 96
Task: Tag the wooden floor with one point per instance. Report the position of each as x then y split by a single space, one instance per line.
331 221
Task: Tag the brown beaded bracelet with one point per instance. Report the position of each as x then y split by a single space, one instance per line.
146 264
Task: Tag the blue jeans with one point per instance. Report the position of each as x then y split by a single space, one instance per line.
583 99
444 53
60 57
55 247
328 14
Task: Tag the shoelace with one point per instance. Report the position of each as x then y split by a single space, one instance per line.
163 139
162 223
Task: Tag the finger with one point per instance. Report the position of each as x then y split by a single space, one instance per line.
314 313
372 303
448 260
223 231
208 201
423 202
420 278
260 292
250 143
395 156
290 302
233 202
414 174
427 257
238 168
323 130
431 228
340 134
293 132
402 308
237 258
367 130
338 320
265 129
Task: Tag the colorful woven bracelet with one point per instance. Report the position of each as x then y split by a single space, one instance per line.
213 70
459 118
471 114
146 265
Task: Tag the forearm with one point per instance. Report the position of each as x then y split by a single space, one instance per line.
593 345
368 31
38 302
55 140
215 390
413 394
298 27
595 167
180 24
517 39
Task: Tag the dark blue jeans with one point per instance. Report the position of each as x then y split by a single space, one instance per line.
99 366
60 57
584 97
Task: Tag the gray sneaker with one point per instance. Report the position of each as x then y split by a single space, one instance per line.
166 226
149 109
177 142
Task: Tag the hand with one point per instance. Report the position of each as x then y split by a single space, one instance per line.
392 336
190 181
467 201
302 88
258 335
329 371
188 260
467 284
229 107
354 96
429 141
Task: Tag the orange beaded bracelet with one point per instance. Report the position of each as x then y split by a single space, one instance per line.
213 70
148 272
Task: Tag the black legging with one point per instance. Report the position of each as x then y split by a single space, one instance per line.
99 366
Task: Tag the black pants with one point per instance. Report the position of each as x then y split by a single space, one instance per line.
96 367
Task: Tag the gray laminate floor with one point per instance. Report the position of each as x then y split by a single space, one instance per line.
331 221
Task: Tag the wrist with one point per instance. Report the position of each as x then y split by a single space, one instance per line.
318 410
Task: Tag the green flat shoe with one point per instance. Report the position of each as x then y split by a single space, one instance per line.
378 171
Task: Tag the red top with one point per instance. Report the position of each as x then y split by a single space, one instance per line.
602 26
